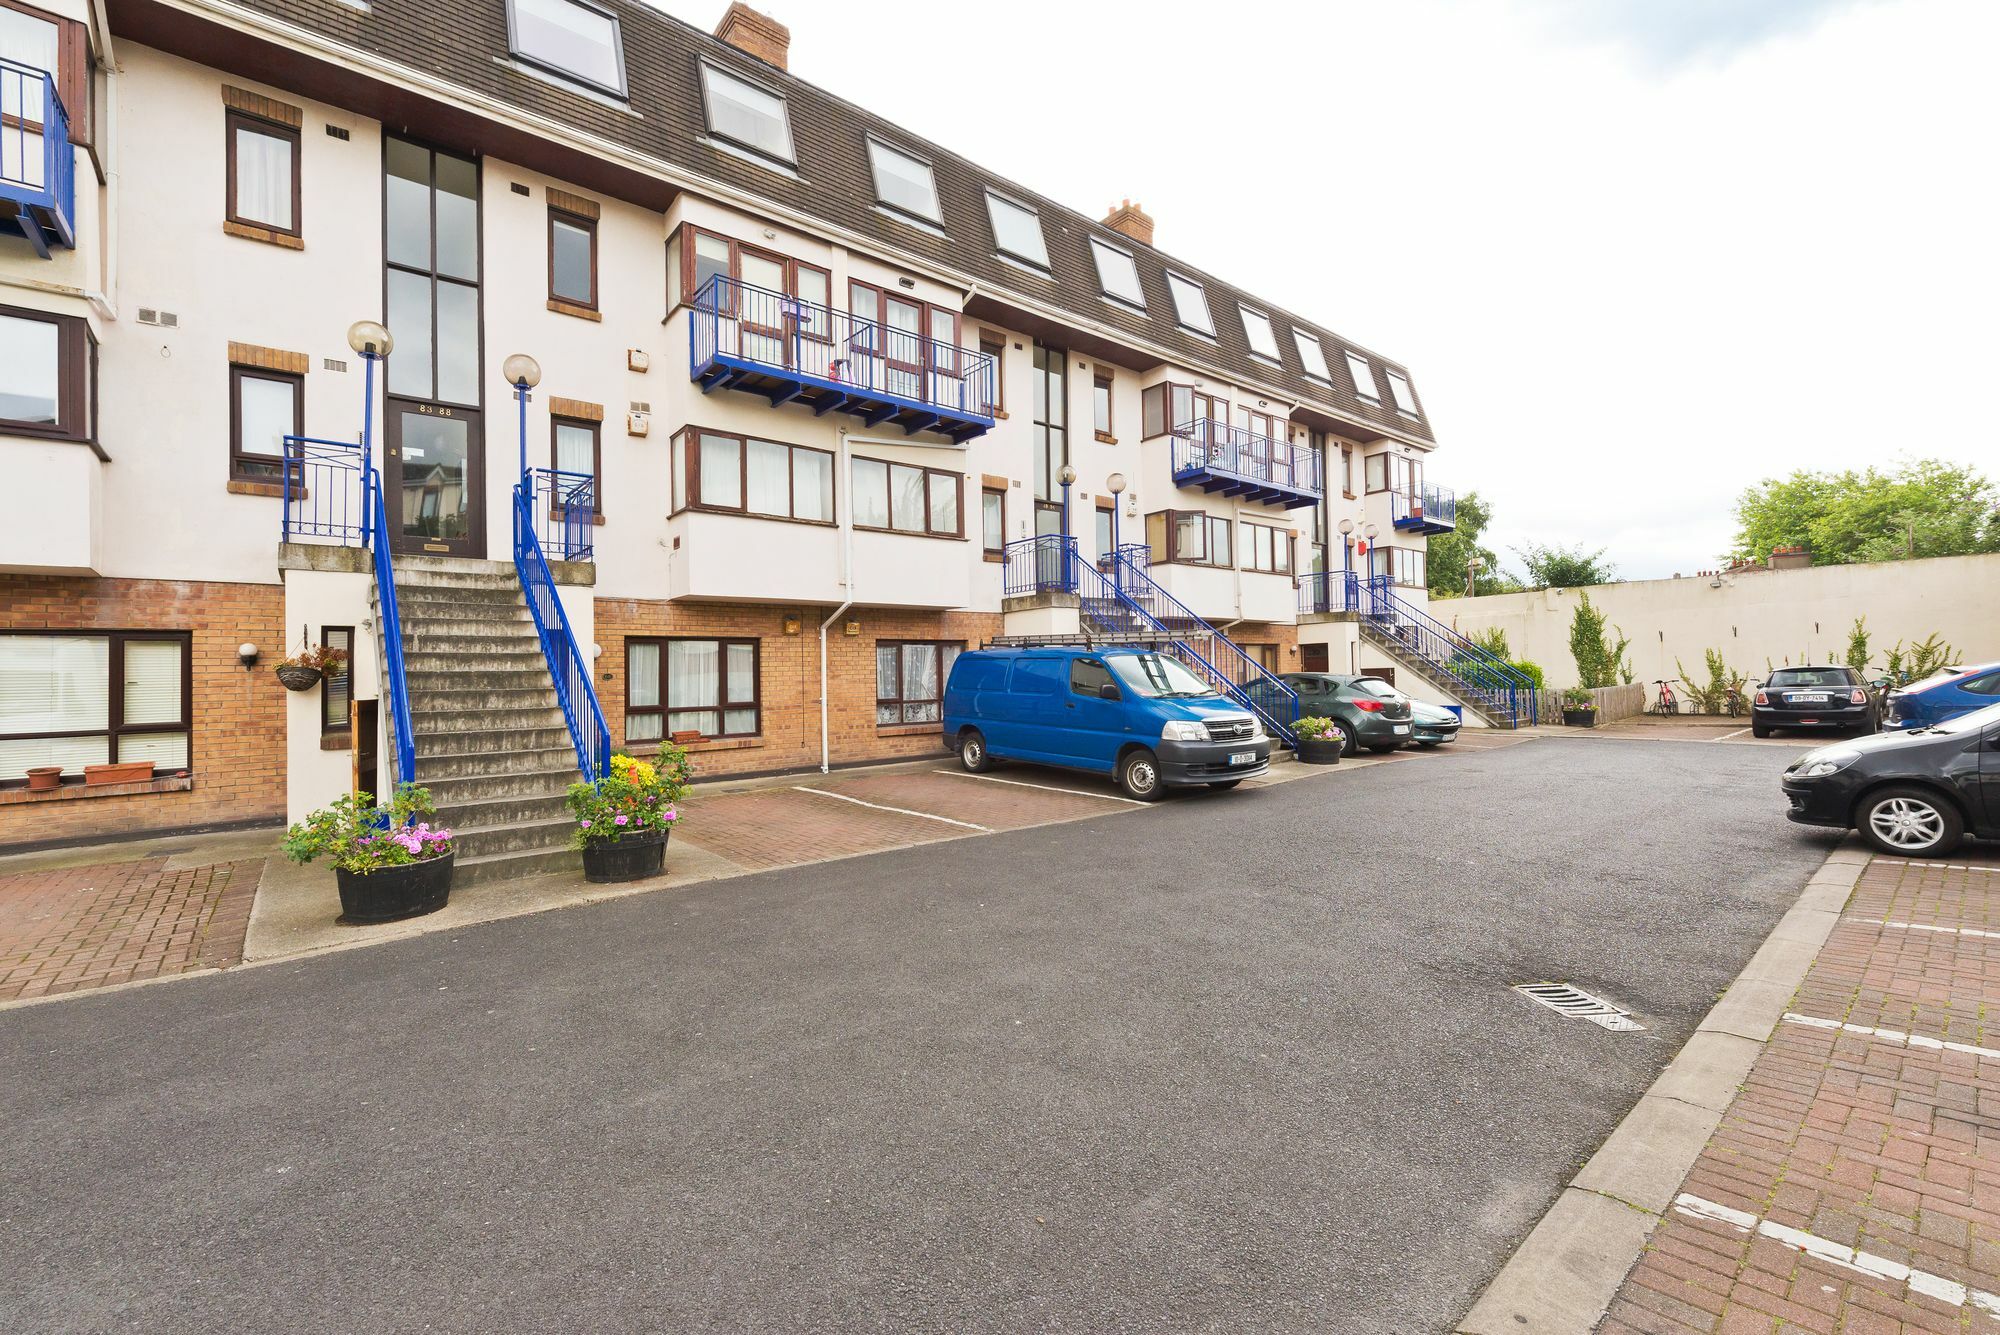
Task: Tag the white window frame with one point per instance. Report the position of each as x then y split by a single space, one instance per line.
995 201
709 71
1252 319
519 52
1100 251
1176 285
1362 372
881 146
1400 391
1312 355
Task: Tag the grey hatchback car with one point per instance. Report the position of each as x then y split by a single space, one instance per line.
1367 711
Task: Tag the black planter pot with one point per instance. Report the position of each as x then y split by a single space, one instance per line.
631 859
299 678
1579 718
1319 750
408 891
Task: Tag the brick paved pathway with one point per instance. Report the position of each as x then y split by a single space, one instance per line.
1854 1185
81 927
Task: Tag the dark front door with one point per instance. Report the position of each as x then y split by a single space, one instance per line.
433 479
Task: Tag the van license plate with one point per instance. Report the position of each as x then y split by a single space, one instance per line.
1402 730
1242 757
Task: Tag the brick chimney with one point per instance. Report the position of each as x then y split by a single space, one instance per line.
1131 220
755 34
1790 558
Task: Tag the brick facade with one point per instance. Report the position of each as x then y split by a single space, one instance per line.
788 671
237 769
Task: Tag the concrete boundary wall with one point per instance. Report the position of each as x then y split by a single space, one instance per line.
1783 616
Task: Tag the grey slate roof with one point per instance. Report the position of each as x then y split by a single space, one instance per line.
465 43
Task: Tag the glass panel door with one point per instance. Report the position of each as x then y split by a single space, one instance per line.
433 475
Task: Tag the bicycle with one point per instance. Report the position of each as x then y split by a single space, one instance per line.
1667 703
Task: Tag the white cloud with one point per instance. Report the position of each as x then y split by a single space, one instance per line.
1632 269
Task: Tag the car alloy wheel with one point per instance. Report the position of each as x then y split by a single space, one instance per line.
1907 824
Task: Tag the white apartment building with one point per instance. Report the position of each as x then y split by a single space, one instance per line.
805 389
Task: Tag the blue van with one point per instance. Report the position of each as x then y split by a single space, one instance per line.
1135 713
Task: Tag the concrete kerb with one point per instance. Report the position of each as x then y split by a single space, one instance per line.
1563 1276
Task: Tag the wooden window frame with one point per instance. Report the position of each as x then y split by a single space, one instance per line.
115 726
1281 538
688 440
1104 505
75 73
76 379
1368 468
666 709
559 420
328 727
1000 494
1104 380
1347 471
1171 545
1156 401
238 373
1387 556
899 700
588 226
235 119
889 502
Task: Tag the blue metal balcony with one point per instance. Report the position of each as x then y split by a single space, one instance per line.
37 163
1433 510
1236 462
764 342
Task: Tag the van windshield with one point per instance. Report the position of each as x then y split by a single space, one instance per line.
1157 677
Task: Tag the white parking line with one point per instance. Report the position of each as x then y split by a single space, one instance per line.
900 811
1727 735
1930 927
1894 1036
1945 866
1839 1254
1045 787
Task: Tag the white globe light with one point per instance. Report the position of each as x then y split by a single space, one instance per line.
521 369
1115 484
370 339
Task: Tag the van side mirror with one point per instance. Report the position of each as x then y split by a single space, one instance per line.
1109 691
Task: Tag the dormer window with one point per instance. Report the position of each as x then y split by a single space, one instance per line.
1117 275
568 37
1311 356
1364 377
1257 328
1399 388
1190 304
746 114
1017 230
903 182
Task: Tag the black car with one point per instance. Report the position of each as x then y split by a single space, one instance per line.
1366 711
1914 793
1815 697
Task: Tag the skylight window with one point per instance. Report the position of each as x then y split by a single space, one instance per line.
745 113
903 182
567 37
1364 376
1190 304
1017 230
1399 385
1116 274
1257 328
1311 356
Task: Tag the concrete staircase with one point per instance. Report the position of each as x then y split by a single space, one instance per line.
1489 706
491 744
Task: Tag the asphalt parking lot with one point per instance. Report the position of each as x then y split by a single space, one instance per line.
1245 1061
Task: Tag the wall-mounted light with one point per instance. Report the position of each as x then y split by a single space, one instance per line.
246 654
906 282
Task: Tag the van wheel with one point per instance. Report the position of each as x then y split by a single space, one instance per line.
1139 776
972 753
1909 822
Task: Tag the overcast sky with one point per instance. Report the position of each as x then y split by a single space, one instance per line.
1636 253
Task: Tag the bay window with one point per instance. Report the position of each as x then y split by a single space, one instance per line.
1189 537
1267 549
72 700
1405 566
719 470
46 364
675 687
903 498
909 679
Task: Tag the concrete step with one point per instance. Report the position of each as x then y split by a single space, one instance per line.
457 790
527 658
431 768
460 565
499 577
471 671
420 596
485 870
448 610
442 723
520 836
472 698
474 813
479 741
423 638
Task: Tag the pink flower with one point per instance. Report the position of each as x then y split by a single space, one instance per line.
621 820
670 814
586 825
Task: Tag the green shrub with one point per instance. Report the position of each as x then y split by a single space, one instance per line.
362 837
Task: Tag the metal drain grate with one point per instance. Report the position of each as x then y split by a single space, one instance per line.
1566 1000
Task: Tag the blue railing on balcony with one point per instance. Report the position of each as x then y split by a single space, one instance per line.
37 162
1466 670
1043 564
566 511
752 338
323 495
1238 462
569 669
1330 591
1433 509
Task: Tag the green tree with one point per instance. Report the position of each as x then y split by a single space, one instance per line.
1448 553
1923 508
1598 660
1857 645
1550 567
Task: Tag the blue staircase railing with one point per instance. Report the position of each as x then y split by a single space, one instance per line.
37 161
1466 670
569 670
1330 591
389 617
1042 564
1130 602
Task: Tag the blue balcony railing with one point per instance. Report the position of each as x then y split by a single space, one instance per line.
566 507
1238 462
1433 509
753 339
1045 564
1330 591
37 162
324 501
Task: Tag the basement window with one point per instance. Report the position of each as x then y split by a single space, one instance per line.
568 37
746 114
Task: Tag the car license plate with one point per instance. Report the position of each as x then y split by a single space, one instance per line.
1242 757
1402 730
1814 698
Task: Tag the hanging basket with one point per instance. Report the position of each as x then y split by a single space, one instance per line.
299 678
